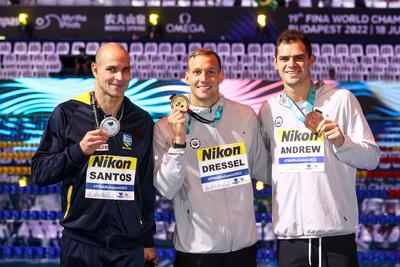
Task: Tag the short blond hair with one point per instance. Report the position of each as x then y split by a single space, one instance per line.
205 51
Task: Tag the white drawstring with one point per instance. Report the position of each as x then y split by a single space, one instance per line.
320 252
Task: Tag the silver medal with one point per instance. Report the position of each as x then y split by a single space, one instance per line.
110 126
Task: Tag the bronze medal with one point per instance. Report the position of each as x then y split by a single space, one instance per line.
312 120
180 102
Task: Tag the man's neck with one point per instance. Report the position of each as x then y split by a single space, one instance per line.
203 104
299 92
110 105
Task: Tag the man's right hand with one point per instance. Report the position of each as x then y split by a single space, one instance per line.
177 121
92 141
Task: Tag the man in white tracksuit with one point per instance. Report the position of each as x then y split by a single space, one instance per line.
314 203
204 161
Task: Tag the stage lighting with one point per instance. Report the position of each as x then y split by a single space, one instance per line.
25 26
23 19
259 185
23 181
154 28
2 37
262 20
153 19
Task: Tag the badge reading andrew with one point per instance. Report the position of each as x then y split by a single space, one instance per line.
223 166
180 102
110 126
299 150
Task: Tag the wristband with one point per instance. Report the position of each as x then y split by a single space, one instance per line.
175 145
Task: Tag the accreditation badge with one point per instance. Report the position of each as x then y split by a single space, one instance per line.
300 150
110 177
223 166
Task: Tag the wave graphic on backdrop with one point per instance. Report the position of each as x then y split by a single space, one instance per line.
37 98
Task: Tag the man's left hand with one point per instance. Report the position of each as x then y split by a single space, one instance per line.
150 254
331 131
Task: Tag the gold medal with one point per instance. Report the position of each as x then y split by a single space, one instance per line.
180 102
312 120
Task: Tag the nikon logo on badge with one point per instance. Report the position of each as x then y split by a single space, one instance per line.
110 162
217 152
298 136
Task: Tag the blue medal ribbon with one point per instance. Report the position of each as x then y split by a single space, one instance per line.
298 113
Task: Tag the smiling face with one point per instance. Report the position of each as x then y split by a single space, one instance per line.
112 71
204 77
294 64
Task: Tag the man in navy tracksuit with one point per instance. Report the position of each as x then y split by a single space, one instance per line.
99 146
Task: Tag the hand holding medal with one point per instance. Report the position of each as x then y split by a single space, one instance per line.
180 105
92 141
331 131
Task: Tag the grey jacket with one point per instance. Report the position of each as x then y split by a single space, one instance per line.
317 204
217 221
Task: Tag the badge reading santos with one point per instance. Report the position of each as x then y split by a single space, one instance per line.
180 101
110 126
223 166
110 177
300 150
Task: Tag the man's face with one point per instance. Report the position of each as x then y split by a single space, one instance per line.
204 76
112 72
293 63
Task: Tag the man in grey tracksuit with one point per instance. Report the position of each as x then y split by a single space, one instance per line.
314 203
205 158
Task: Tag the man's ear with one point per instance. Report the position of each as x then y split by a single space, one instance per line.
187 77
276 66
95 69
312 60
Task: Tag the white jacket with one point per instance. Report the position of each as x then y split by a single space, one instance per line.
317 204
217 221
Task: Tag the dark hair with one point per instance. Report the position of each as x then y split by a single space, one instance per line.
291 36
205 51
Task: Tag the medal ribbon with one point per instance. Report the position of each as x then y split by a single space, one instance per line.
309 104
217 117
192 114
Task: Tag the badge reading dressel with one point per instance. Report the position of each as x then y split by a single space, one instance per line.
312 120
180 101
223 166
110 126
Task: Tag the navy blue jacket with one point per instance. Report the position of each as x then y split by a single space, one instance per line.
59 158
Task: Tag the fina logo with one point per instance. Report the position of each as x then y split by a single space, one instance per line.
185 25
65 21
